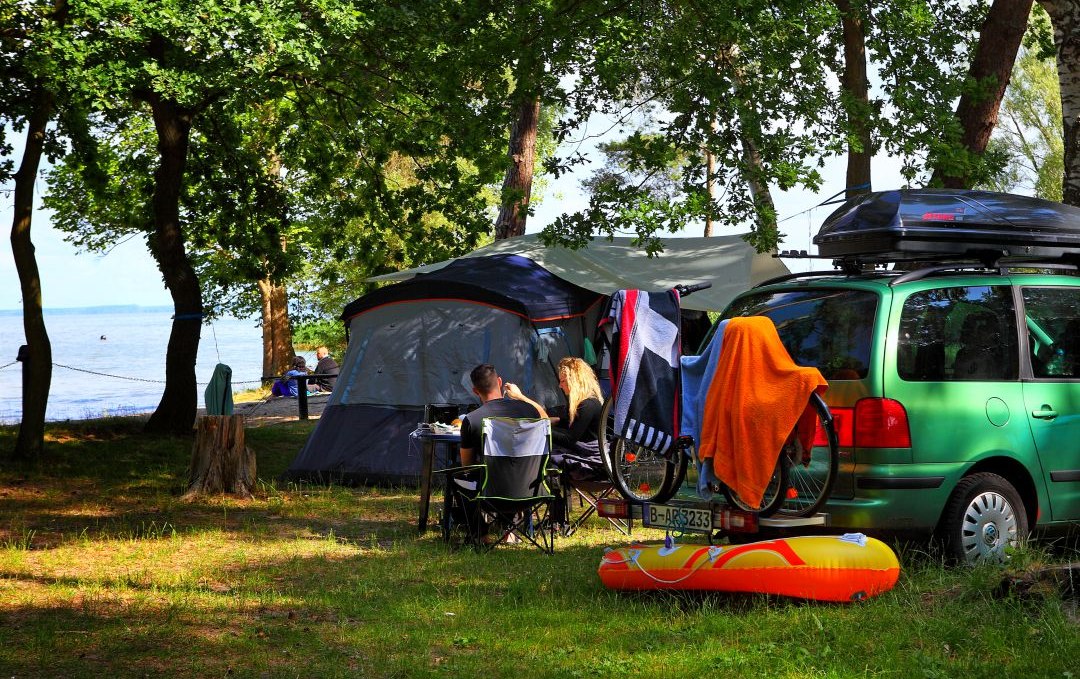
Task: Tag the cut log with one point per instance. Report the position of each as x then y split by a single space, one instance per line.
220 461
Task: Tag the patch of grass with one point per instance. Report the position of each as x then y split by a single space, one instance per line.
104 571
248 395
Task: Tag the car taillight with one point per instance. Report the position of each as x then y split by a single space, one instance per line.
881 423
842 423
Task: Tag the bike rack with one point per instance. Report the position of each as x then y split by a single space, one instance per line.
725 519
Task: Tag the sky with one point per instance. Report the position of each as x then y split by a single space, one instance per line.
128 275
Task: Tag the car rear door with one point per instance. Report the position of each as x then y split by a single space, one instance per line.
1052 391
955 369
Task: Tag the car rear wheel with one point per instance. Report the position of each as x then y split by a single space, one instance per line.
984 515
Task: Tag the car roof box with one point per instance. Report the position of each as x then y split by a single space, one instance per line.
949 224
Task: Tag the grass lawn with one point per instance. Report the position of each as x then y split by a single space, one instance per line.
105 572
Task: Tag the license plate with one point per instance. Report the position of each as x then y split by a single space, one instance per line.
678 518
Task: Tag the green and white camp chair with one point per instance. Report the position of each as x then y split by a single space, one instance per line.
508 494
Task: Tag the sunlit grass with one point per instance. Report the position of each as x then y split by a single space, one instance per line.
256 394
105 571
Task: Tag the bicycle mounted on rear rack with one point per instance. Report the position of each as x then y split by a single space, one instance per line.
650 476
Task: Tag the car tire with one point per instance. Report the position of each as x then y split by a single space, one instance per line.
983 516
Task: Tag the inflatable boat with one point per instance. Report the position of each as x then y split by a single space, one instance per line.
827 568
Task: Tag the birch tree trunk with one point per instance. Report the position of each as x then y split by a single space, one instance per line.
1065 16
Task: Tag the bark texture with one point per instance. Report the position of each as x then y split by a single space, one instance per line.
221 462
1065 16
276 328
991 68
764 205
175 413
856 89
517 186
37 370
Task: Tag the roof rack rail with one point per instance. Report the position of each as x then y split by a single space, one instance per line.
1001 266
793 276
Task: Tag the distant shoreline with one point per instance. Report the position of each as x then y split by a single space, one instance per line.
104 309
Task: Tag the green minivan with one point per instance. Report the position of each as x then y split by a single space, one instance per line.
954 385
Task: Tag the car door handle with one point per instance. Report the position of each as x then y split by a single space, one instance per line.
1045 414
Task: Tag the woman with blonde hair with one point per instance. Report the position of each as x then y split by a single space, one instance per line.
581 423
574 427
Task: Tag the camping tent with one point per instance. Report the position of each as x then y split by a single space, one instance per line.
514 304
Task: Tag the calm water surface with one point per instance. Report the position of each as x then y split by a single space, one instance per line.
127 347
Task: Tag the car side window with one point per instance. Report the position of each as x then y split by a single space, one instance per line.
958 334
1053 328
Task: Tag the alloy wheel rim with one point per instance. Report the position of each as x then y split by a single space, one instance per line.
989 526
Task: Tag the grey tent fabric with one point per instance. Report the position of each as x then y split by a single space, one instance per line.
218 395
728 262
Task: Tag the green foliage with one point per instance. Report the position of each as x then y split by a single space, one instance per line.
313 334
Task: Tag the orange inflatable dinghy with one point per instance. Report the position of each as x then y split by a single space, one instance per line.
827 568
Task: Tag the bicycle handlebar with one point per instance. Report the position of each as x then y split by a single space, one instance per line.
685 290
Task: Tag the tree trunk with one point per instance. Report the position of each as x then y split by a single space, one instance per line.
276 329
37 370
991 68
1065 16
764 207
175 413
856 92
220 460
517 187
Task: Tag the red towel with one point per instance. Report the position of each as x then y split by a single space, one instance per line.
756 397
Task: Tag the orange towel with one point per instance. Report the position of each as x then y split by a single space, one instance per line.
756 397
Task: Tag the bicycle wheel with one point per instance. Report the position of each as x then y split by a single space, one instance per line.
811 474
773 496
639 474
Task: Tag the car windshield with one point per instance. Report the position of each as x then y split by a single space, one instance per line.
830 330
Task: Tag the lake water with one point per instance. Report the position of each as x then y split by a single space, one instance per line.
121 343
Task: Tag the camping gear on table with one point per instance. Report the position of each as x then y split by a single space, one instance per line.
827 568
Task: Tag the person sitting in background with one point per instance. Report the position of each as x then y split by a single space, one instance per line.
327 370
289 387
575 435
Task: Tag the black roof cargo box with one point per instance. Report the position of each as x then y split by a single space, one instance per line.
936 224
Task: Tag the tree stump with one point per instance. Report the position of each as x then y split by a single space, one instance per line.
220 461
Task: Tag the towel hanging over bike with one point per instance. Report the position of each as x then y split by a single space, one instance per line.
755 398
644 338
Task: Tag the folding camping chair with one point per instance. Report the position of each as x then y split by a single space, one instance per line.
586 485
506 495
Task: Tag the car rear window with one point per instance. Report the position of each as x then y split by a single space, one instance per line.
830 330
